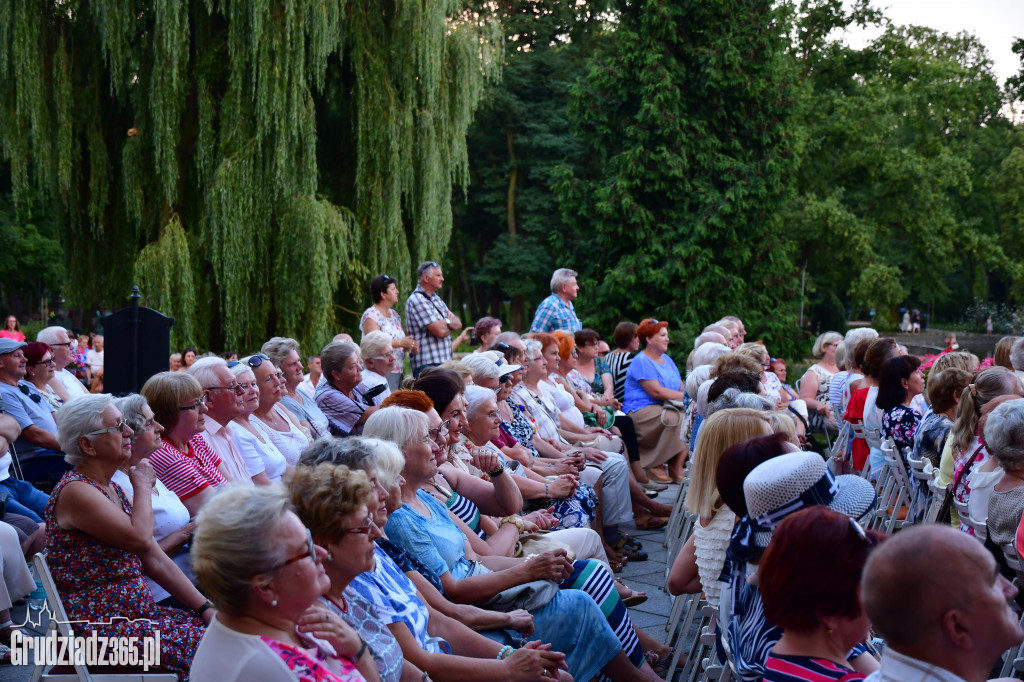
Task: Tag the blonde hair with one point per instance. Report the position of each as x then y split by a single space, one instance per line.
325 495
782 421
989 384
166 391
1001 354
736 360
755 351
959 359
459 367
721 431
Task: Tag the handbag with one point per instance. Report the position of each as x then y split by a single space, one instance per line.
945 515
540 542
530 595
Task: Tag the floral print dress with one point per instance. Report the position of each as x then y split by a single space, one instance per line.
900 424
99 583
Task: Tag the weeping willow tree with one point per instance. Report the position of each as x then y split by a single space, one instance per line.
248 161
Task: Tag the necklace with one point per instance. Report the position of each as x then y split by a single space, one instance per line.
343 606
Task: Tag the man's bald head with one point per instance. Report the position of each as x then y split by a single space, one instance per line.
936 594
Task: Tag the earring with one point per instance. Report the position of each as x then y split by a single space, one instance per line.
274 603
830 632
329 558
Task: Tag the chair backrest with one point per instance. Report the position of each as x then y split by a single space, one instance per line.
59 617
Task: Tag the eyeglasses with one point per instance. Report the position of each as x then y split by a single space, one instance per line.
574 353
237 388
602 353
492 415
253 361
201 401
862 534
310 552
119 426
441 431
55 345
49 363
386 356
363 530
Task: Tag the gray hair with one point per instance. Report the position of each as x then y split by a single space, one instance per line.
696 377
560 277
708 337
823 338
734 397
51 334
334 356
131 411
204 371
235 540
506 337
390 461
396 424
708 353
240 369
1017 355
279 348
1004 434
424 267
853 337
483 366
75 419
355 452
374 344
841 357
532 346
476 396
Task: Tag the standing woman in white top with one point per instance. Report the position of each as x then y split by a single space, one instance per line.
815 382
282 426
251 437
381 316
172 527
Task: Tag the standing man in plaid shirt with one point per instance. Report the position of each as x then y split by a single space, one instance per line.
556 312
428 320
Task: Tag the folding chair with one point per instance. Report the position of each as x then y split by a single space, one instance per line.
59 623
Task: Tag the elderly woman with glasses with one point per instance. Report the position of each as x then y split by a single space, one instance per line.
379 362
184 461
815 383
40 370
258 564
284 429
337 395
251 437
99 544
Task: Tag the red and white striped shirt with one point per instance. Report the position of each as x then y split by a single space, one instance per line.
187 474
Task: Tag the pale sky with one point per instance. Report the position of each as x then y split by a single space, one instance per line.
995 22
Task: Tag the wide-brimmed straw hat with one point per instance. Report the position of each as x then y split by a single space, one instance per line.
788 483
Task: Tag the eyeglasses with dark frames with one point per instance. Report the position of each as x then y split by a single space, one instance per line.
441 431
119 426
201 401
310 552
236 388
56 345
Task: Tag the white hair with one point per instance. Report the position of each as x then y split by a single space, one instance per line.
374 345
1017 354
696 377
483 366
823 338
708 353
734 397
707 337
1004 434
396 424
51 334
476 396
852 339
77 418
204 371
560 277
390 460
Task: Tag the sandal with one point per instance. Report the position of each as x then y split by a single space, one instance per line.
630 540
634 553
659 663
634 598
652 523
617 566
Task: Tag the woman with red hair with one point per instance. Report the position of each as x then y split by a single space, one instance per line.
816 554
653 379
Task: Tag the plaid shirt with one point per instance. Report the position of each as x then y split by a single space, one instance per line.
421 310
554 314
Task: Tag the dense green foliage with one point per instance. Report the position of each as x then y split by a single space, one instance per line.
261 155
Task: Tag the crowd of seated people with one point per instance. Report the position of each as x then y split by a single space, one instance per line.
469 521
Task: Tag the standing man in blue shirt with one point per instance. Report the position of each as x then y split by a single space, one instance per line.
556 312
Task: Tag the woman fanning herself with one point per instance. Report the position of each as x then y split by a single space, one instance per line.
99 545
259 565
335 503
422 527
827 621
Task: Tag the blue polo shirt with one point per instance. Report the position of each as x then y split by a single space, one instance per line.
27 405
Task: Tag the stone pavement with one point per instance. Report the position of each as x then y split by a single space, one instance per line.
648 576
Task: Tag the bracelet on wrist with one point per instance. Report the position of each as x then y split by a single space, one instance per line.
497 472
514 520
202 608
547 489
362 650
505 652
